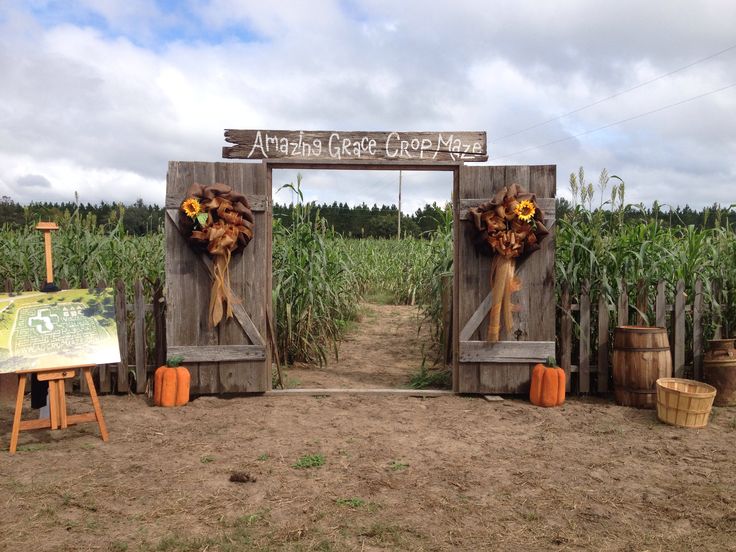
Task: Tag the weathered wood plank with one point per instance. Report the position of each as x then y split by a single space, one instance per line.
717 308
698 303
642 303
477 318
247 275
122 327
566 335
471 270
102 375
218 353
139 334
181 265
623 304
209 372
159 323
447 318
456 284
678 361
584 362
603 341
258 202
361 146
660 315
502 352
341 391
265 372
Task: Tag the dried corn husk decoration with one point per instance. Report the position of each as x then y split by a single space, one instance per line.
218 221
510 226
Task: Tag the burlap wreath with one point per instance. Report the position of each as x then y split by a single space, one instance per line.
509 226
217 221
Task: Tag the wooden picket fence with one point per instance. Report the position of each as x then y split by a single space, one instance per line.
585 326
588 341
141 328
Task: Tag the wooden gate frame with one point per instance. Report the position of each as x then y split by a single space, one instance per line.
503 366
385 165
528 352
477 366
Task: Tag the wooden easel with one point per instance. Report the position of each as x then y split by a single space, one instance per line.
58 417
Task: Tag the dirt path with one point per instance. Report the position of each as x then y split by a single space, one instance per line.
367 473
382 350
360 473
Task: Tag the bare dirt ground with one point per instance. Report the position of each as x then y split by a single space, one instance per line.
369 473
382 352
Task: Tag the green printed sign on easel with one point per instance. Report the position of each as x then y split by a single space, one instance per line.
53 335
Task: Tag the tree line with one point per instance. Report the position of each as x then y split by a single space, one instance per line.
358 221
139 219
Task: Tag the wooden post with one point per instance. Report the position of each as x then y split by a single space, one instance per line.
642 303
623 304
447 319
121 320
159 323
46 228
678 361
584 363
603 322
398 233
103 371
660 306
698 331
8 382
566 334
717 310
723 300
139 307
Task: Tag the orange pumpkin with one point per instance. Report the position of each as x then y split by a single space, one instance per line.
171 384
548 385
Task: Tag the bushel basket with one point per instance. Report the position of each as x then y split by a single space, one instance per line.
684 403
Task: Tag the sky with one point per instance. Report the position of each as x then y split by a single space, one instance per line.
96 96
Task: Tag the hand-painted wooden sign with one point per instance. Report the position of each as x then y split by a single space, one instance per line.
325 145
57 330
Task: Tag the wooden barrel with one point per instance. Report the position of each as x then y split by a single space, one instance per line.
719 370
641 355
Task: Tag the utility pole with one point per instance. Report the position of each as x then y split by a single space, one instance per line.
398 235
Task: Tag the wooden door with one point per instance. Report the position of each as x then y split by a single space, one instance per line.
505 366
235 356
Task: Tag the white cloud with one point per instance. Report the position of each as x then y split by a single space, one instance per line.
101 108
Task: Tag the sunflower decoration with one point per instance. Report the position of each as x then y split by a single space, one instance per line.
525 210
218 221
509 226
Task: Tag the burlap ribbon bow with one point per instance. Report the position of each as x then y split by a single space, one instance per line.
226 230
509 226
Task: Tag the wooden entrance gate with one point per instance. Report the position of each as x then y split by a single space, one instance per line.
505 366
235 357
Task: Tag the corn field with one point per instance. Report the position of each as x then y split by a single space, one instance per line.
616 242
320 277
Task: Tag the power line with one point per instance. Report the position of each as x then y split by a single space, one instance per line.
616 122
617 94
